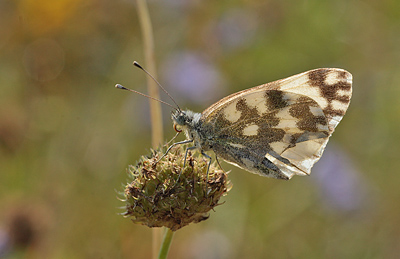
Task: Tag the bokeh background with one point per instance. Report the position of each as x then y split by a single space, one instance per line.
67 135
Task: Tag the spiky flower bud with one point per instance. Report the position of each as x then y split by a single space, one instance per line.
164 194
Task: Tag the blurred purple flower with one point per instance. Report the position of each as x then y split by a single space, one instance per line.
341 185
235 28
192 77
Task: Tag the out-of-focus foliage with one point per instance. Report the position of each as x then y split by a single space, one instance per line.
67 135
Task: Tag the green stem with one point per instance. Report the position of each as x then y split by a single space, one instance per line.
166 244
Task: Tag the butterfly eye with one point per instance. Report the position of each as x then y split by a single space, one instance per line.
176 129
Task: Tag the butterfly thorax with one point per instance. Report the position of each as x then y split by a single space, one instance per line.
189 122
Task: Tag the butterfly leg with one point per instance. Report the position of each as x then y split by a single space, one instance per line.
187 150
173 145
209 164
184 161
216 158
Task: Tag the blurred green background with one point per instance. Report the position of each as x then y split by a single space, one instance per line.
67 135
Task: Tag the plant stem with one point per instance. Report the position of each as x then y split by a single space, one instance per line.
157 134
148 43
166 244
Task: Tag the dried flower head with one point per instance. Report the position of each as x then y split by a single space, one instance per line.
164 194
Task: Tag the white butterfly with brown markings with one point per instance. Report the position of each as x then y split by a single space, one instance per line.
278 129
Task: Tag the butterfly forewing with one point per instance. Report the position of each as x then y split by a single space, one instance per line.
281 128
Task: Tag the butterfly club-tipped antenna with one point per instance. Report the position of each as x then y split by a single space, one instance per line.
148 96
136 64
145 95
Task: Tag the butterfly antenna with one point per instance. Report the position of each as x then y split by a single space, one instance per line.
145 95
136 64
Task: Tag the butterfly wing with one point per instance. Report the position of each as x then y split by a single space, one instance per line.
281 128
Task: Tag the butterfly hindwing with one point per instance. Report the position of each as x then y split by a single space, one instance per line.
281 128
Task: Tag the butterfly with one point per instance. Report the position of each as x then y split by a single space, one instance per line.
279 129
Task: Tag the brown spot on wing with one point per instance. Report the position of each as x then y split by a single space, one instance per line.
275 100
331 92
246 111
307 120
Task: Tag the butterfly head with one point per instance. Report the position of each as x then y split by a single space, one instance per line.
185 120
